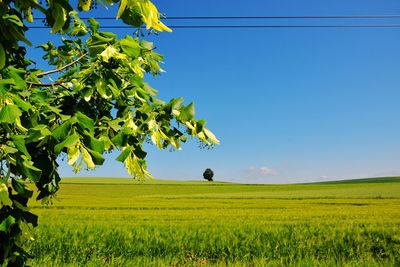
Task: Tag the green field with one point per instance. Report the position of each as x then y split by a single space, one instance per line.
120 222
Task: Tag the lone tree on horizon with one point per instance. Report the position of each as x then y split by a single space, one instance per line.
208 175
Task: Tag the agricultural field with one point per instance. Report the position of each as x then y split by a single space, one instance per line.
120 222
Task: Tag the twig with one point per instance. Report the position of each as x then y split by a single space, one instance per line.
62 68
47 84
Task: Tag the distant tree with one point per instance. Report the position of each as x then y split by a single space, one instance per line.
208 175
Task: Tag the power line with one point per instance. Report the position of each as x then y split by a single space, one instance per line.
261 17
249 26
286 17
259 26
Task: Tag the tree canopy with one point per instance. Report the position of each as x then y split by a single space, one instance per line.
208 175
98 102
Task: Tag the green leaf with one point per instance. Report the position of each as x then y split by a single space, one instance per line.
124 154
18 76
6 224
13 19
108 144
79 27
60 17
99 42
119 139
176 102
130 46
122 6
73 154
87 93
150 89
147 45
10 113
114 87
2 57
139 152
18 33
62 131
94 144
95 50
65 5
187 112
85 122
85 4
87 158
45 47
21 188
30 218
211 136
19 143
4 84
30 171
9 150
97 158
70 141
37 133
93 24
4 197
102 89
22 104
200 125
115 124
102 38
20 206
39 127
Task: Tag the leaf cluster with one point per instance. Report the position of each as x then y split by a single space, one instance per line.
92 101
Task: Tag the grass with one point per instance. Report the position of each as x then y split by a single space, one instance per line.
394 179
119 222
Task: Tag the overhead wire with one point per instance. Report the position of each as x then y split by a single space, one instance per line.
248 26
262 17
260 26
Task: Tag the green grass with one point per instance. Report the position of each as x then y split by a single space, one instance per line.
108 180
120 222
394 179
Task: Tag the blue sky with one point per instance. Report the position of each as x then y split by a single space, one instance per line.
289 105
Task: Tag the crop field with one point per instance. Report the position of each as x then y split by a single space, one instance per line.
120 222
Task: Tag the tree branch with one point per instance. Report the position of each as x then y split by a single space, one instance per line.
62 68
48 84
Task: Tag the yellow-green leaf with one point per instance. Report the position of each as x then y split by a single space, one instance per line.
73 154
111 52
151 16
60 17
4 198
87 158
10 113
203 138
211 136
28 14
26 230
2 57
85 4
122 6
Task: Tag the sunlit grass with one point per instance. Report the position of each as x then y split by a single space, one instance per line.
119 222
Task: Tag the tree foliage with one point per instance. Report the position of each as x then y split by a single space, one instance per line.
92 100
208 175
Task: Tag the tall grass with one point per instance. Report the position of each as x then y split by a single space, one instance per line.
224 225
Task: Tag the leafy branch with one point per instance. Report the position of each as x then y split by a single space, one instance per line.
110 107
47 84
62 68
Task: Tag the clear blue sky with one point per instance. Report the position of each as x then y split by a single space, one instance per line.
289 105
